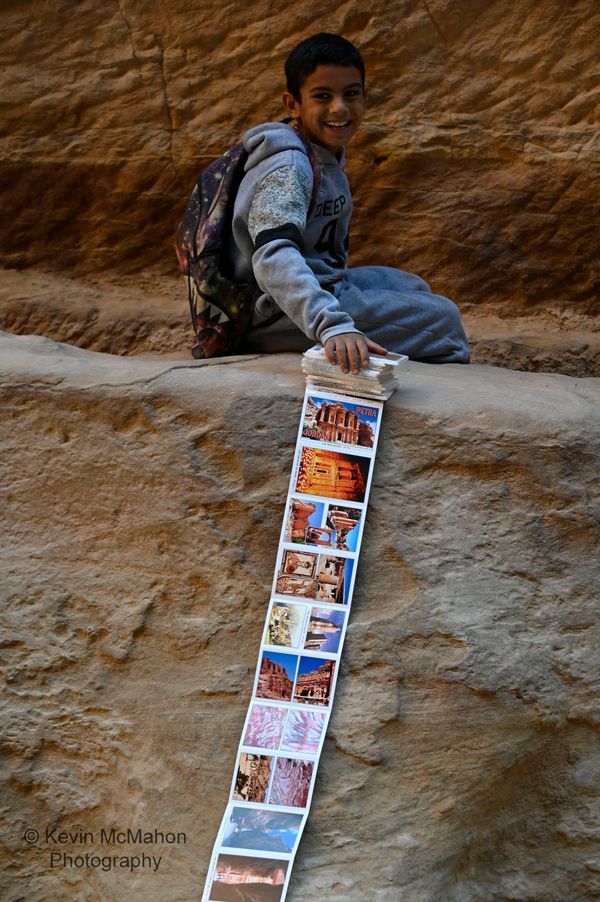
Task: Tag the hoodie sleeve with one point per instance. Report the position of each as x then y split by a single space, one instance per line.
276 223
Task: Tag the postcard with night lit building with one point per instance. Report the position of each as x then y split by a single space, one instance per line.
332 474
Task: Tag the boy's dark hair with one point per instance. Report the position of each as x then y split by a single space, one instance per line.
321 49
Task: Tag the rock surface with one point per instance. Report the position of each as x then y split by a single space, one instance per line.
477 166
132 315
142 501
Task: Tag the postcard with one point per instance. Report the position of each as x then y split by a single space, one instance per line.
344 523
285 624
332 474
299 563
248 879
291 782
276 675
332 526
262 830
301 518
324 630
296 586
252 778
303 731
329 581
333 579
265 726
314 681
335 421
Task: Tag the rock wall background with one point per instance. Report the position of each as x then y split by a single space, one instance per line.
143 499
477 166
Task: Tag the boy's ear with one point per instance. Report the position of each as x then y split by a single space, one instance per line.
291 105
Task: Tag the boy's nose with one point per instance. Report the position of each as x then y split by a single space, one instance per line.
338 105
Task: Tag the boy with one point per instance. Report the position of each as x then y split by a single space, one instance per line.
298 255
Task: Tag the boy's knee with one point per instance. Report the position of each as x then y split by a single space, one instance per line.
452 328
452 318
462 352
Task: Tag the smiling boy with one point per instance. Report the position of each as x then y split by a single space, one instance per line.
297 250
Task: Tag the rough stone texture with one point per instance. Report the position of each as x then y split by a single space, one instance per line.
477 166
142 501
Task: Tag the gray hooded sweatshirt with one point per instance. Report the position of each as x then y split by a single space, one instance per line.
298 260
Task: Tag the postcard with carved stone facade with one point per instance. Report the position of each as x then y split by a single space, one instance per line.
314 681
329 526
302 517
248 879
340 420
253 776
276 676
323 577
325 629
331 474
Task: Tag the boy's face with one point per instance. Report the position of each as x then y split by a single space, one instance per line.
331 107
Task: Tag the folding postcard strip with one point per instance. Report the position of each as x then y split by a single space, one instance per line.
298 661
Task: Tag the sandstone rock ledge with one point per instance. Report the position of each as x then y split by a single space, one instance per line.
143 500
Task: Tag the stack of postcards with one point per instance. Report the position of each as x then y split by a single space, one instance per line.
378 380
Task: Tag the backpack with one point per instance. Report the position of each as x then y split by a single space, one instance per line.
221 309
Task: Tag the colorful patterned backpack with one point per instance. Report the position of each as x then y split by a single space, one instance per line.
221 309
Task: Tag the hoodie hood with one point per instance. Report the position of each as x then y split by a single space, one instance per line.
266 140
270 138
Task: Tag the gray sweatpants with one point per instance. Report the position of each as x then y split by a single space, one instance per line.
393 307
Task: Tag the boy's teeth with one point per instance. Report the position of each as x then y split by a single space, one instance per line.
338 124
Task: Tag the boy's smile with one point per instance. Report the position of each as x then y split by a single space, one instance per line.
331 107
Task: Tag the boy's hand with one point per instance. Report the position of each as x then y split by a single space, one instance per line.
351 351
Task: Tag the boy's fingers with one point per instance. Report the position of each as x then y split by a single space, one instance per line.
376 348
364 352
342 355
353 349
330 352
